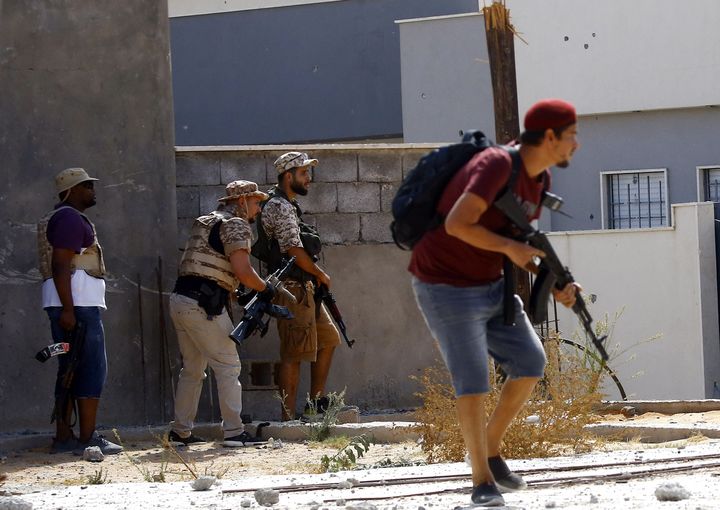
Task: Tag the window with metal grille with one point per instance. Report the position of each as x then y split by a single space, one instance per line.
711 184
636 199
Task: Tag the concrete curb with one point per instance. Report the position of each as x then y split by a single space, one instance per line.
378 431
662 406
651 434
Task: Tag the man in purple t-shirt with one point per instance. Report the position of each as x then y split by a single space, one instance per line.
458 284
73 291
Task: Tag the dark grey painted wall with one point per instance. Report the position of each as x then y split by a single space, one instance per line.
316 72
679 140
86 83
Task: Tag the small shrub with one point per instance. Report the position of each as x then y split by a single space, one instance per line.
563 401
347 456
98 477
320 430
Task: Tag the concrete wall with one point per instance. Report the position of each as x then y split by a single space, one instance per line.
349 201
86 83
446 83
178 8
664 282
615 56
324 71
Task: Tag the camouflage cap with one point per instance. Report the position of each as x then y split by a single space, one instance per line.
241 189
291 160
71 177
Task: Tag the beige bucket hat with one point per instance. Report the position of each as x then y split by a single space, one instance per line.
240 189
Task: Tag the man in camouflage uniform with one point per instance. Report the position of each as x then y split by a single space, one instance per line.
216 260
310 336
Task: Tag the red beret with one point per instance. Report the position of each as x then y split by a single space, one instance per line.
550 114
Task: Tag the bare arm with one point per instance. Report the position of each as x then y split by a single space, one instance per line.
303 260
462 222
243 270
62 273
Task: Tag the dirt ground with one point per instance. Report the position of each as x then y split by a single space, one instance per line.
36 470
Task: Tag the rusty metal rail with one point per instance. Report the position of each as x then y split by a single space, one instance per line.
628 471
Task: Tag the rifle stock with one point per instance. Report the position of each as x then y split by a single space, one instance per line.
62 407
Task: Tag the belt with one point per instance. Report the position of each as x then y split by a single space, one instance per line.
192 294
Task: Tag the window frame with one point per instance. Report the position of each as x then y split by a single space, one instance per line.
701 172
604 213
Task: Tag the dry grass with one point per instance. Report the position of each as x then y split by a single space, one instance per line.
562 403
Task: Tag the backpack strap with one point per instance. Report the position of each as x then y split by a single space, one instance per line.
516 165
509 282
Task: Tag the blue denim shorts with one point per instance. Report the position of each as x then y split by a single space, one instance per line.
467 323
91 370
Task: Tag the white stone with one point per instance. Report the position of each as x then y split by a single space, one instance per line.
671 492
267 497
246 503
13 503
203 483
93 454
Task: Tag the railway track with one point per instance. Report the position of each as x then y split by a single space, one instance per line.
536 478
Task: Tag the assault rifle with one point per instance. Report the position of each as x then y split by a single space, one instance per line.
323 295
551 270
259 306
76 339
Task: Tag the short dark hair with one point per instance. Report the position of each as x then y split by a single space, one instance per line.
536 137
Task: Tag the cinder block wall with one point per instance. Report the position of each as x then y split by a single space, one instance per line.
349 202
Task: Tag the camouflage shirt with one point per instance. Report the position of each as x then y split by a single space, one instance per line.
236 234
280 221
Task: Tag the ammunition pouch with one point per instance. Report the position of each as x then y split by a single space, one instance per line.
209 295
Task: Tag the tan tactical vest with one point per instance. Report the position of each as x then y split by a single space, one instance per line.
90 260
201 259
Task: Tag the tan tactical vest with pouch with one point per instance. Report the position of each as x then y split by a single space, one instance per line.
90 260
201 259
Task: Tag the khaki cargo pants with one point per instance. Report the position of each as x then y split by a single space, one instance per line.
302 337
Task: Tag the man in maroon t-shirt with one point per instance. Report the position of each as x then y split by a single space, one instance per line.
457 279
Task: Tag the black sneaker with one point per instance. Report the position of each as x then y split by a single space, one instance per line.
486 494
106 447
176 440
318 406
506 480
243 439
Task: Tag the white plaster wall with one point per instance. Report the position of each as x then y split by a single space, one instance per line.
660 279
179 8
641 55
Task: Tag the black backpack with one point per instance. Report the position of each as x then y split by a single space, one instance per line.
414 207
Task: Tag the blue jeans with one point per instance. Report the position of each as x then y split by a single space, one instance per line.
467 323
91 371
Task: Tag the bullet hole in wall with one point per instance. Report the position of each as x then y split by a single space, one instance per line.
566 38
586 46
593 34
